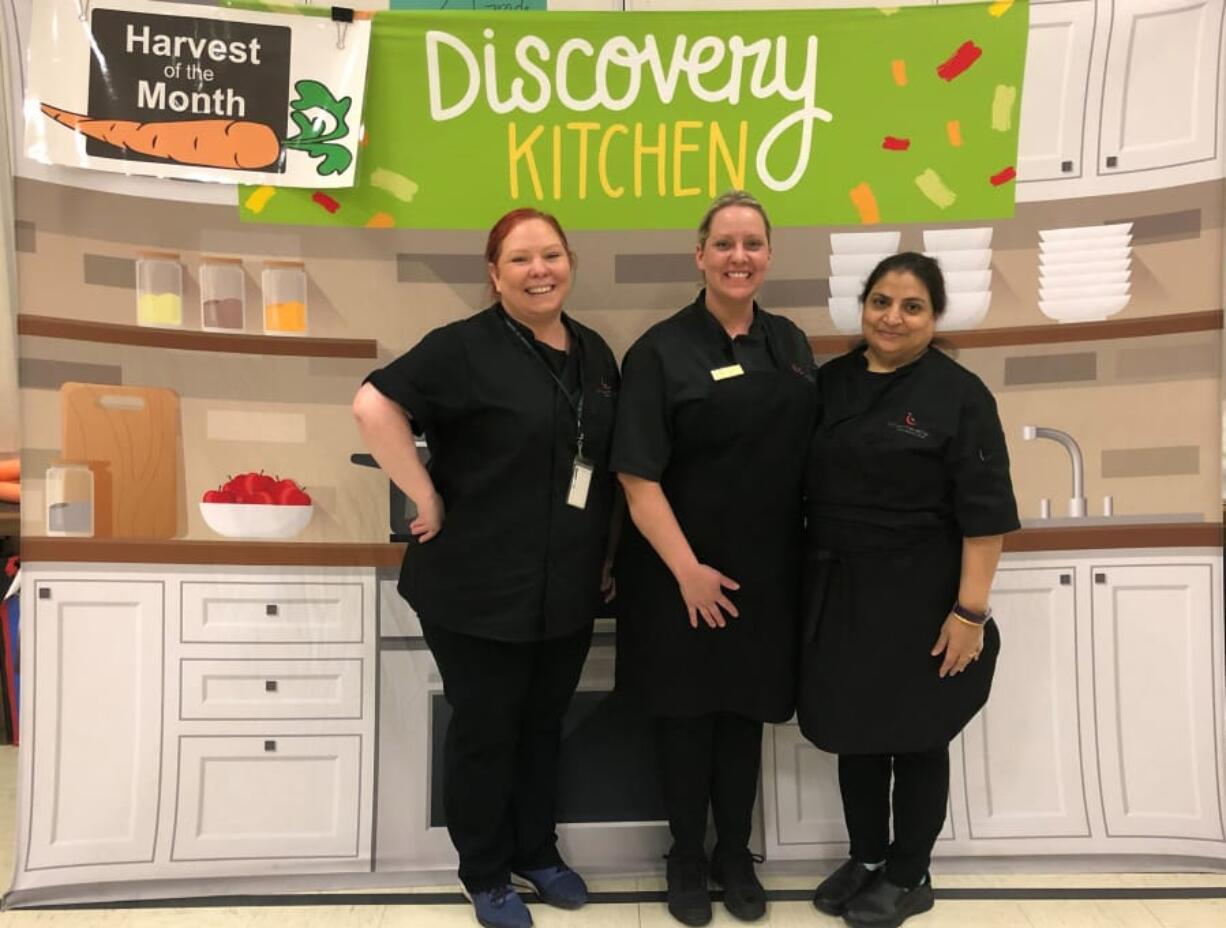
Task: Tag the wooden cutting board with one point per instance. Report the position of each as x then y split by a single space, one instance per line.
129 436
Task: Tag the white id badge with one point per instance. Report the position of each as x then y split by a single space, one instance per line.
580 483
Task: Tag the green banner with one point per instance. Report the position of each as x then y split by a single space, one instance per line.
636 120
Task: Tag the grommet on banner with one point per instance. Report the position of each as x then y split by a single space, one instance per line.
342 16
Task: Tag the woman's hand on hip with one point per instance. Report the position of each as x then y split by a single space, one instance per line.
961 644
702 588
429 521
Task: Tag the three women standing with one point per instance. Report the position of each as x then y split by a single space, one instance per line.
511 541
909 496
716 410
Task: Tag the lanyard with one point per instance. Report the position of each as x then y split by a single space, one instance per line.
576 407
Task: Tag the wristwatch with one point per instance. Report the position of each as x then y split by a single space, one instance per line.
970 615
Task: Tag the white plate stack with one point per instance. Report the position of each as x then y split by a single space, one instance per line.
965 256
853 255
1084 271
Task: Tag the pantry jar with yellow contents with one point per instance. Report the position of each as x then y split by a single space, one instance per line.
222 289
285 293
159 289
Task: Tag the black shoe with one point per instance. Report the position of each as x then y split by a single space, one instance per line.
884 905
744 896
689 899
834 892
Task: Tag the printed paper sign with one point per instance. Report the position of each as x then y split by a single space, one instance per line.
193 92
637 120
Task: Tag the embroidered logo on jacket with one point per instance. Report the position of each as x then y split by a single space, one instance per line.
605 390
909 426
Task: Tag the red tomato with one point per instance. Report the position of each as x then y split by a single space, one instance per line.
259 497
251 482
295 497
218 496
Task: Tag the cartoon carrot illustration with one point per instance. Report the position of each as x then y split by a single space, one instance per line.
214 143
229 143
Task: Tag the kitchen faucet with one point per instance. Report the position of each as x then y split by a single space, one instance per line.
1076 503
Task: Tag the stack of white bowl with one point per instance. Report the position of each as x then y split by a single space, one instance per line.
853 255
1084 271
965 256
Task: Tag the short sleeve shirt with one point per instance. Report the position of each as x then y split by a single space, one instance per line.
513 561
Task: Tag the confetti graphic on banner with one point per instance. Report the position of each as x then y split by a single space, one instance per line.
898 69
893 143
381 221
953 132
865 202
1000 8
957 63
259 198
325 201
397 185
1002 107
932 187
1003 177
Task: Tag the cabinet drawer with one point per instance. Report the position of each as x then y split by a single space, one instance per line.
276 796
272 613
282 689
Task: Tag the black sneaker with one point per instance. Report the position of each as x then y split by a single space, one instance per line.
689 899
744 896
838 889
885 905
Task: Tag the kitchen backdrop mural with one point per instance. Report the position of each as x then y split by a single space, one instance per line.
188 352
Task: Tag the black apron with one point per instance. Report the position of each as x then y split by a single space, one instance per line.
876 595
734 482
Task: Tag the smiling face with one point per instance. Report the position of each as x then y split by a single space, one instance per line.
735 256
532 273
897 321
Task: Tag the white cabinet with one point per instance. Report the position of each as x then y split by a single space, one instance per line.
269 798
1054 97
188 722
1104 733
1155 662
1161 85
1033 711
96 653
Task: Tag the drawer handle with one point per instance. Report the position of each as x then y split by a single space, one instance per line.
270 745
270 686
270 609
1100 578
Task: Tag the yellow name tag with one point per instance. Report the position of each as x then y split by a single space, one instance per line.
723 373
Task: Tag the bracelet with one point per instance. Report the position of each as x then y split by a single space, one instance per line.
970 616
978 625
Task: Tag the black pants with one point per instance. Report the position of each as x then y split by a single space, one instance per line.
921 792
500 760
711 760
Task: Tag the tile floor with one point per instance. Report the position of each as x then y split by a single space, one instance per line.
949 913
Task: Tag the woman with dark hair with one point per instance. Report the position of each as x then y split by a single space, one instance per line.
909 498
716 410
510 546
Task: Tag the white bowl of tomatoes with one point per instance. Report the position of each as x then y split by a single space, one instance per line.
257 506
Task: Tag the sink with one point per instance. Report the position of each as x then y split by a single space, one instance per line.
1122 518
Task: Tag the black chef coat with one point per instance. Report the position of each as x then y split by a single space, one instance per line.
513 561
903 466
728 453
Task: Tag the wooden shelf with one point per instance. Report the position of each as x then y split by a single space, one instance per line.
187 340
173 551
1052 333
1142 535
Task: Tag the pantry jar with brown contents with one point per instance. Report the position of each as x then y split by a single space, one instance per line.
223 288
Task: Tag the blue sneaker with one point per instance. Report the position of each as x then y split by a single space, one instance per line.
500 907
558 886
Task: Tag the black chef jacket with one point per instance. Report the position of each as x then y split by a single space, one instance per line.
722 425
513 561
903 467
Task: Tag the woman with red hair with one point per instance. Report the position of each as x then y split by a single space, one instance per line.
510 546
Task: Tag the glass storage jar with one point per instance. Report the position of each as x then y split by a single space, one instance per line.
223 287
70 500
285 293
159 289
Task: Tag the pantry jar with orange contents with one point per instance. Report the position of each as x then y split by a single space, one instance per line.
222 293
159 289
285 288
